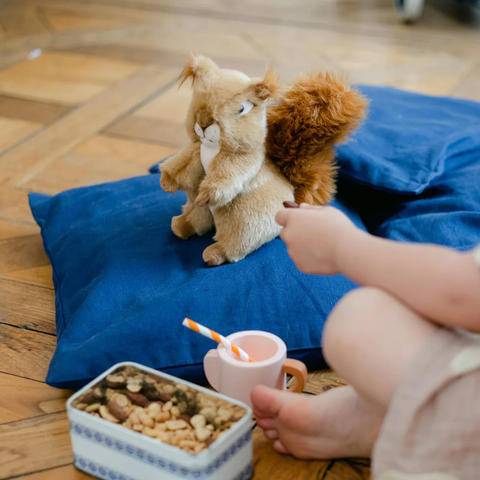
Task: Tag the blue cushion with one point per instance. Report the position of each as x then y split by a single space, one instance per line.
446 213
124 283
407 139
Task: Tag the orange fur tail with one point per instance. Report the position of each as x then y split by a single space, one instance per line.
317 112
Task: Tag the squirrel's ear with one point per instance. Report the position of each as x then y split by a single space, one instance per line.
268 88
197 67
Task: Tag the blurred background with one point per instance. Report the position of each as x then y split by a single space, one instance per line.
57 55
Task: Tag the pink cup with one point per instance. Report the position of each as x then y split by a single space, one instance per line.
235 378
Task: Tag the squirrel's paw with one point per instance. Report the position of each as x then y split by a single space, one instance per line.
205 196
168 183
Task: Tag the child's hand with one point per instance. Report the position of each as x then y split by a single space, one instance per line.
314 236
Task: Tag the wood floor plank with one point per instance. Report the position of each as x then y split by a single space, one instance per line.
22 399
40 276
34 444
64 78
323 380
21 22
270 464
27 306
68 472
19 253
98 160
9 229
13 130
63 21
23 163
30 110
351 469
14 205
25 353
469 86
153 130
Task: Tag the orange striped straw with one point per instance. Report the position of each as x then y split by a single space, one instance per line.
206 332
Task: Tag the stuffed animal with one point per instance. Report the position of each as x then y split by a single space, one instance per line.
235 176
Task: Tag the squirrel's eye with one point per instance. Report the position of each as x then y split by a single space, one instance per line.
245 107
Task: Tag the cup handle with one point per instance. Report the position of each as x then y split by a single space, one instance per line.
299 371
211 367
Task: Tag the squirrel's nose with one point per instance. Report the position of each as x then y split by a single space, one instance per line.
204 119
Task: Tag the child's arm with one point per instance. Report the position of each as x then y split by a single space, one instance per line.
438 283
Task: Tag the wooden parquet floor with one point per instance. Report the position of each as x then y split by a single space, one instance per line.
88 95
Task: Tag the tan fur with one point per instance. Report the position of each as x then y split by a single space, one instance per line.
317 111
245 188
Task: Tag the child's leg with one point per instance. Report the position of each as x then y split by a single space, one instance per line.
369 339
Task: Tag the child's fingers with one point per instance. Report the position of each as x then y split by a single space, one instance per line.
307 206
282 217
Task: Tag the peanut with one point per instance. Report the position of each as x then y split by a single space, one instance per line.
147 420
167 406
154 409
188 444
209 413
198 421
224 414
176 424
202 434
163 437
150 432
121 400
93 408
162 417
134 387
105 413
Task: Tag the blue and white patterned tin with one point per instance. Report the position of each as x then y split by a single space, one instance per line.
112 452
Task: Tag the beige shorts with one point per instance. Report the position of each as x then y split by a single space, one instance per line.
432 428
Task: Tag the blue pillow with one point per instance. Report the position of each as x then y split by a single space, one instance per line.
124 283
407 139
447 212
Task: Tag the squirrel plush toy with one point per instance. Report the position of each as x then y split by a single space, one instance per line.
244 159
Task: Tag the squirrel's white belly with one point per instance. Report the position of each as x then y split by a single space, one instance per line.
210 145
207 154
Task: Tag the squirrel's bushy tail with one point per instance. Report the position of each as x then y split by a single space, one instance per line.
317 111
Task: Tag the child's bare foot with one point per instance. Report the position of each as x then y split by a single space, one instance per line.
335 424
